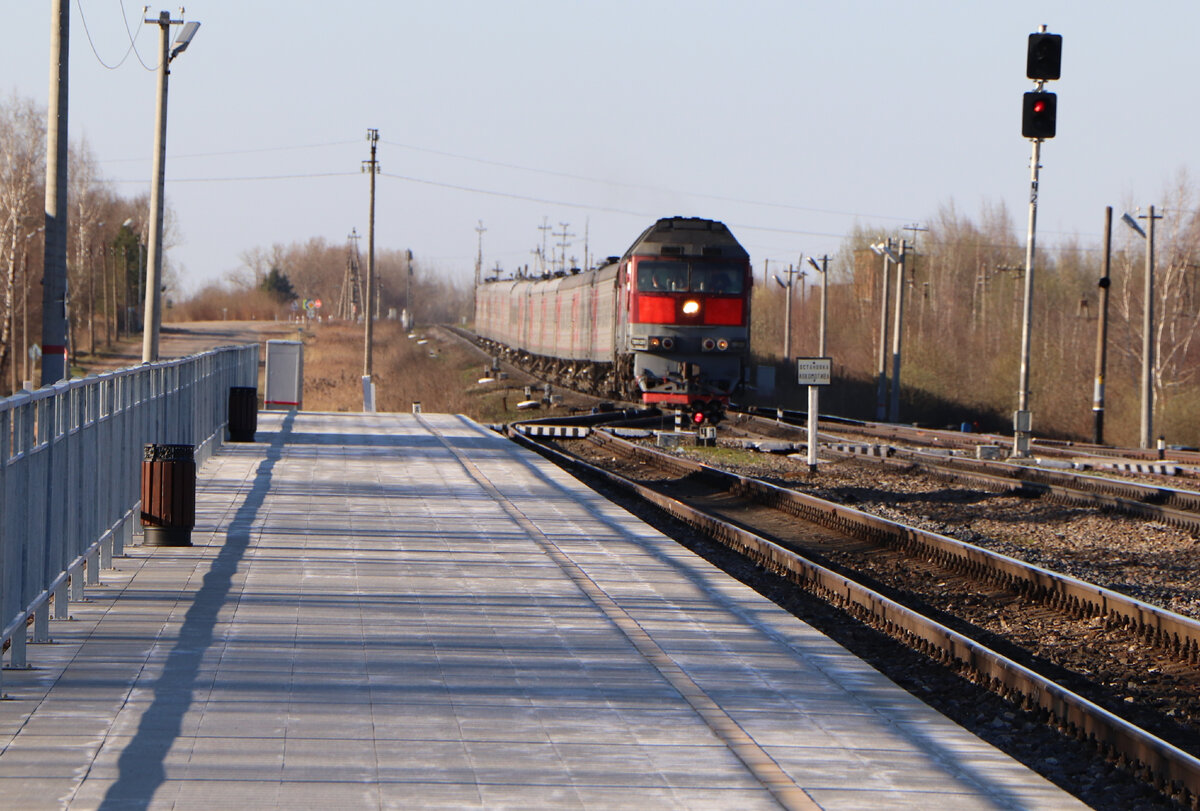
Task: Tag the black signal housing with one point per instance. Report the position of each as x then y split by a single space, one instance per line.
1039 114
1044 58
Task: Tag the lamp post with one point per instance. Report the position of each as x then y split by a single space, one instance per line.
883 249
787 312
153 313
1147 324
899 262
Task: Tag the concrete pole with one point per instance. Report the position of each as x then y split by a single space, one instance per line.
1148 338
894 410
1023 420
1102 332
152 322
881 377
787 318
814 398
371 167
54 278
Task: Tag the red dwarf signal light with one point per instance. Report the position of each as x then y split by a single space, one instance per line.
1038 115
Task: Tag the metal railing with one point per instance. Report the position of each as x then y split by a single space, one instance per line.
70 474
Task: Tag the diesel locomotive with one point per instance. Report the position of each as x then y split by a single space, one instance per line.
667 323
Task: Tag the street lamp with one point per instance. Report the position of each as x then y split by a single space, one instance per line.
1147 323
787 313
883 249
153 316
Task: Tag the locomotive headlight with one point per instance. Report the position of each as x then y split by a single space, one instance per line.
691 307
723 344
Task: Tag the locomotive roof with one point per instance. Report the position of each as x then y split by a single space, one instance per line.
688 236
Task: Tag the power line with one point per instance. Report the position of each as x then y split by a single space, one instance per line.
585 178
132 40
229 152
241 179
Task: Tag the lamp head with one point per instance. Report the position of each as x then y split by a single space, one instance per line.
185 38
1132 223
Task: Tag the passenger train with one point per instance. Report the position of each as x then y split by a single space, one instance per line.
668 323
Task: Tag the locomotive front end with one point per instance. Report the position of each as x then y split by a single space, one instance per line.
687 284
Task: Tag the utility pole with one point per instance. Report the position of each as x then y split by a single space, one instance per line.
787 312
408 291
563 244
153 316
1148 332
1102 332
480 230
894 409
545 228
351 304
54 276
881 398
371 167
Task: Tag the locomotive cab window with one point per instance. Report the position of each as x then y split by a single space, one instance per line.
680 277
711 278
662 277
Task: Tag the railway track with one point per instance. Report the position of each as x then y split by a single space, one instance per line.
1152 501
1095 663
948 438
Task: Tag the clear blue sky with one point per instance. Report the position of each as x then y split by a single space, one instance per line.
790 120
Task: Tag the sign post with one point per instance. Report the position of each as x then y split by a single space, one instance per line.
814 373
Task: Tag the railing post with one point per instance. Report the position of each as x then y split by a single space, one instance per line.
70 474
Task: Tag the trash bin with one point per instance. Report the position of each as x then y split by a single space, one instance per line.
243 413
168 494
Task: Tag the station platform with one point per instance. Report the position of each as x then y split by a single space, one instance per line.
410 611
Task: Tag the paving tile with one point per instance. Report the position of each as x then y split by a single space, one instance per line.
361 624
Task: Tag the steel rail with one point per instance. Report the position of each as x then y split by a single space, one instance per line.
1172 770
1175 633
1175 506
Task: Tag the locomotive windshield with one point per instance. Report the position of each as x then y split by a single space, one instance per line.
695 277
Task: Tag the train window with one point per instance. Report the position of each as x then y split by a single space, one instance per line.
662 277
716 278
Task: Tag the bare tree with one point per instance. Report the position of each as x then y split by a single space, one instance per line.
22 166
1176 299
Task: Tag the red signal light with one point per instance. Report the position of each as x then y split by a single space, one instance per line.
698 417
1039 109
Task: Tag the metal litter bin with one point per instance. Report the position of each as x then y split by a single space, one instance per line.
243 413
168 494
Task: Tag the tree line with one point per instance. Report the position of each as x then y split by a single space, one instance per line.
106 247
963 316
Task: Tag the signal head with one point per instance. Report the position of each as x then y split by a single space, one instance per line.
1038 115
1044 58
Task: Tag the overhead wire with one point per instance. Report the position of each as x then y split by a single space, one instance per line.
609 182
132 40
513 195
226 153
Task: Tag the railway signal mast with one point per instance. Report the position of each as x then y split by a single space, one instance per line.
1038 119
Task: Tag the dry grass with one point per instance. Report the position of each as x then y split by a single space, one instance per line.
441 375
